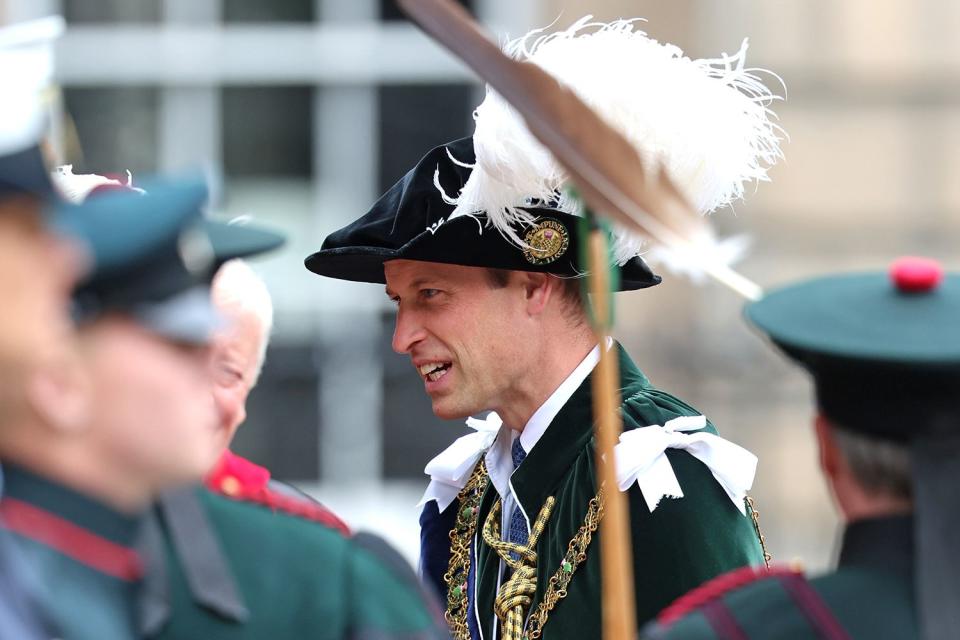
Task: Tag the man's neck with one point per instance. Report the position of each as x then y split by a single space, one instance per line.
554 365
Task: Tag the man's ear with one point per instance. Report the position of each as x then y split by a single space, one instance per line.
58 393
830 456
538 288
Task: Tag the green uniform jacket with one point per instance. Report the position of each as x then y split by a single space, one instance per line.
286 577
869 597
681 544
77 552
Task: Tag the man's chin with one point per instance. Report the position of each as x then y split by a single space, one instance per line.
446 409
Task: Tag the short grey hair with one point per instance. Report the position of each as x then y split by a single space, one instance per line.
880 466
237 289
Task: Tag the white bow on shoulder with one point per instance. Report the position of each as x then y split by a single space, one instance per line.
641 458
450 471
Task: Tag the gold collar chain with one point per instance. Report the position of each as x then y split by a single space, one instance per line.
461 537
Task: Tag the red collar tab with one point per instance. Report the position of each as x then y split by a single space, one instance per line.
240 479
237 477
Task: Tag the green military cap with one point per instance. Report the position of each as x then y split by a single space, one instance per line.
883 348
154 255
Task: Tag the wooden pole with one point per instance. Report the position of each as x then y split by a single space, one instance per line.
616 556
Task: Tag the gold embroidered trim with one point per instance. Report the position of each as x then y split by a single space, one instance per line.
755 516
576 554
461 535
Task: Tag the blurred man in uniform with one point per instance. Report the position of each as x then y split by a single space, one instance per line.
884 354
37 271
482 253
243 559
123 415
38 268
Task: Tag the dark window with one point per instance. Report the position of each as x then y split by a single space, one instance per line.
412 435
416 118
116 129
268 131
274 11
390 11
101 11
281 431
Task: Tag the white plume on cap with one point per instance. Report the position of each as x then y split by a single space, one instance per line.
26 74
76 187
708 122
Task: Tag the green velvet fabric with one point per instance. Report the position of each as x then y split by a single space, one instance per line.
298 579
683 543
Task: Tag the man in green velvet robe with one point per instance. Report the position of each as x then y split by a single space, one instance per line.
515 339
481 251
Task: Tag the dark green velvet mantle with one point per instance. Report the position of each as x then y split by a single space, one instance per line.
683 543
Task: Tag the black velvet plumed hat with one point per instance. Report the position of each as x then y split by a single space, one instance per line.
411 221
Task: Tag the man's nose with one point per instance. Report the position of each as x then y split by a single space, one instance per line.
407 332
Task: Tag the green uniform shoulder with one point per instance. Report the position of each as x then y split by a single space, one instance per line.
329 585
850 603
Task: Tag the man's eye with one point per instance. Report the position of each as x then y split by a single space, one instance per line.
228 375
429 293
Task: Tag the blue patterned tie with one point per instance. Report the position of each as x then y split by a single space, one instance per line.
518 524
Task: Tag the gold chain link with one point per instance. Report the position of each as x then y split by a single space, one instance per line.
461 535
755 516
576 554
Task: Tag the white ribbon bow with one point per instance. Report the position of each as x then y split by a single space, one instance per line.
641 458
450 471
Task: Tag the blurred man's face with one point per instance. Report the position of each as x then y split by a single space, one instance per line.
234 355
37 273
464 336
152 413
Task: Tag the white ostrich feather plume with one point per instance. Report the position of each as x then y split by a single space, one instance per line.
708 122
76 187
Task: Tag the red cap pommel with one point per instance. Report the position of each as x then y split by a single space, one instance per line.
914 275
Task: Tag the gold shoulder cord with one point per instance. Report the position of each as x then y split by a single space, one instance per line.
460 538
516 594
755 516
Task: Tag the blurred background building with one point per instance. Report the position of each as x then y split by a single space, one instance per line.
305 110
